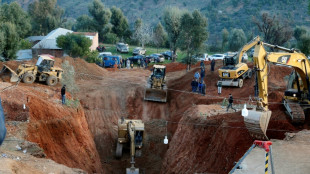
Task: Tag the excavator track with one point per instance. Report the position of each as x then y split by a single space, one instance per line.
295 111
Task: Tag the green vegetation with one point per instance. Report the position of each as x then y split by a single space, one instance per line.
74 45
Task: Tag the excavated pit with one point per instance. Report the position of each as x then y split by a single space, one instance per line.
202 136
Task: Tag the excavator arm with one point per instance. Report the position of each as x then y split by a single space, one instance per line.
248 46
257 120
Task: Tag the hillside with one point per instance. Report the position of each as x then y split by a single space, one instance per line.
220 14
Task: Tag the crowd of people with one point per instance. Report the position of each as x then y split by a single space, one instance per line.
129 63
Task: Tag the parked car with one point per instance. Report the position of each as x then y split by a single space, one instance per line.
105 54
168 54
123 48
201 57
217 57
136 58
110 60
139 51
157 58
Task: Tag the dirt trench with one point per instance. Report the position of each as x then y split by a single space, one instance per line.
191 148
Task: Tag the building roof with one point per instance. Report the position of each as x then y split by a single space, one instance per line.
34 38
86 33
24 55
49 41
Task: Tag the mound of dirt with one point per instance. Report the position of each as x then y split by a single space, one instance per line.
62 132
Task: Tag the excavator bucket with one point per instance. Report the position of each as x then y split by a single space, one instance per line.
159 95
14 77
257 123
132 170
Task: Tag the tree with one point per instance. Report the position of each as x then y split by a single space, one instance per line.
172 23
143 34
193 34
275 31
120 23
68 78
299 31
10 38
237 39
304 44
45 15
225 38
159 35
101 17
84 23
14 14
74 44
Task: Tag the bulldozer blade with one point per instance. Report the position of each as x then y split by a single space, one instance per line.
158 95
257 123
132 170
14 76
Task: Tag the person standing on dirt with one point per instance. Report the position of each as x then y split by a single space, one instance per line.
202 65
230 100
63 94
219 88
203 88
212 65
128 63
193 85
202 74
146 62
131 64
139 63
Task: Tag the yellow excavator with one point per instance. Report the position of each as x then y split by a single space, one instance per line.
297 95
234 70
130 133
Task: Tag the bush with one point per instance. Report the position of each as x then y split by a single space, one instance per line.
24 44
110 38
92 57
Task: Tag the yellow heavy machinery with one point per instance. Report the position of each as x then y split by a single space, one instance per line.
296 97
130 133
234 70
156 89
44 70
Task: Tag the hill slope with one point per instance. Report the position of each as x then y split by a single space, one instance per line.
221 14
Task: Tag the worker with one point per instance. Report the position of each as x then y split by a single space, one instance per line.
202 65
128 63
193 85
139 63
203 88
212 65
146 62
63 94
230 100
202 74
197 76
131 64
2 125
200 87
219 88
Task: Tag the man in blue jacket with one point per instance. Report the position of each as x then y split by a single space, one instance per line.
2 125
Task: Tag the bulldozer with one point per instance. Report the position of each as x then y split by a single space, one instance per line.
296 98
130 134
43 71
234 70
156 89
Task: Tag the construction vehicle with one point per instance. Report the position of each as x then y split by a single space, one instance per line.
297 95
43 71
156 89
130 133
234 70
